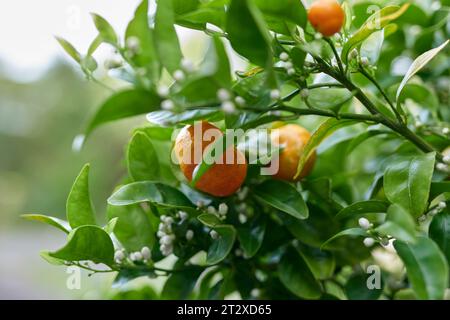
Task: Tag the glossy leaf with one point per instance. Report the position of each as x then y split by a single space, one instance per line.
179 285
356 288
362 207
251 236
440 232
282 196
353 232
399 224
222 246
247 32
52 221
325 130
407 182
79 246
105 29
142 159
133 228
426 267
166 40
320 262
79 206
124 104
291 10
418 64
209 220
438 188
296 276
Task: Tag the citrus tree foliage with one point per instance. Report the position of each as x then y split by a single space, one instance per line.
376 97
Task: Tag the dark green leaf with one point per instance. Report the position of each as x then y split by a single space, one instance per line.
362 207
209 220
320 262
251 236
440 232
399 224
79 206
356 288
348 232
180 284
222 246
282 196
283 10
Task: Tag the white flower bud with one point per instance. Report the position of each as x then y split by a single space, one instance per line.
364 61
442 167
163 91
291 71
445 130
228 107
133 44
368 242
137 256
304 93
146 253
187 65
211 210
166 240
284 56
442 205
168 220
189 235
223 95
178 75
132 256
242 194
275 94
239 101
434 212
446 159
223 208
119 256
183 215
166 250
214 234
242 218
238 252
288 65
200 204
167 105
364 223
255 292
318 36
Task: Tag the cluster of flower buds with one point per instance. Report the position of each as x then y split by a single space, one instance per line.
370 241
287 63
144 255
227 103
221 211
166 235
437 209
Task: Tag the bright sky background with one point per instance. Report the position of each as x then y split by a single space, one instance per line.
27 29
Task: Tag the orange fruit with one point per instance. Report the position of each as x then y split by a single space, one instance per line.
292 139
225 176
326 16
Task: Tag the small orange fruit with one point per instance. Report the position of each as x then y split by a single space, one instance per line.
225 176
326 16
292 139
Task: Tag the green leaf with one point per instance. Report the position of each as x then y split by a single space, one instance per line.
139 28
167 118
166 40
247 32
438 188
70 49
320 262
440 232
55 222
133 228
124 104
209 220
362 207
94 45
418 64
180 284
142 159
296 276
55 261
87 243
222 246
79 206
251 236
149 191
105 29
407 182
355 232
371 47
282 196
356 288
399 224
111 225
374 23
291 10
325 129
426 267
363 137
216 63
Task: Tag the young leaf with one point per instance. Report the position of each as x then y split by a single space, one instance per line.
124 104
426 267
111 225
418 64
55 222
407 182
440 232
282 196
247 32
105 29
251 236
142 159
325 129
133 228
296 276
209 220
79 207
374 23
222 246
362 207
87 243
149 191
166 40
70 49
348 232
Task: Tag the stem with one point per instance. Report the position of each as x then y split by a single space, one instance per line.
336 55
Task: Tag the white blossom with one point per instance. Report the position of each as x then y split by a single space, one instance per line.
166 240
214 234
119 256
163 91
442 205
275 94
146 253
446 159
137 256
242 218
167 105
284 56
304 93
183 215
364 61
223 208
445 130
189 235
211 210
228 107
364 223
187 65
113 63
368 242
291 71
133 44
239 101
223 95
288 65
178 75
